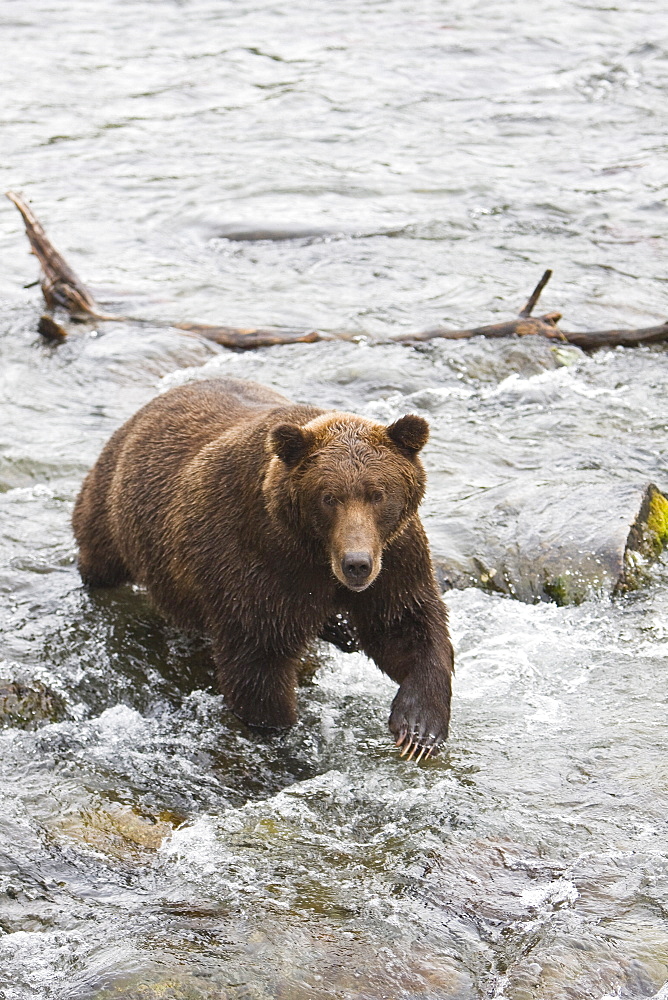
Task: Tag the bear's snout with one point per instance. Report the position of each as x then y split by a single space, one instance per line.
356 547
356 567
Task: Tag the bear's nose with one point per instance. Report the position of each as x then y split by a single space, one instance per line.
356 566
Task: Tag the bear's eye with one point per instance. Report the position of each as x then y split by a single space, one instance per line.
377 496
329 499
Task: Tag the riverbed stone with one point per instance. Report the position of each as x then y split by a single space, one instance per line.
115 830
169 989
28 706
561 539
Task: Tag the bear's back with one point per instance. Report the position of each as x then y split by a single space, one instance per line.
190 458
170 434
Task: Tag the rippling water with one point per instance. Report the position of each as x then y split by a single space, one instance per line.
444 154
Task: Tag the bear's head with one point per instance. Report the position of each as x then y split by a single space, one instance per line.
346 487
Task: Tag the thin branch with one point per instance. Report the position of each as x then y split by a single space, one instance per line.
535 295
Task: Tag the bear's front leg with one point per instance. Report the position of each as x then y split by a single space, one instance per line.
402 624
259 684
414 649
420 715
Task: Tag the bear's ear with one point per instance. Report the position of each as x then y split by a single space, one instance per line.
410 432
291 443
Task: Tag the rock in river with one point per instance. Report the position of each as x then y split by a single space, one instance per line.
24 706
562 539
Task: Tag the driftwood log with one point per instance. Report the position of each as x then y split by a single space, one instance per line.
62 289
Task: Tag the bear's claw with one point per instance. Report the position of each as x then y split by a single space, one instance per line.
415 742
419 718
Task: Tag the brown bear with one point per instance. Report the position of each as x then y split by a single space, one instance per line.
267 524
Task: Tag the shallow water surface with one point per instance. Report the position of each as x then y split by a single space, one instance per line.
440 157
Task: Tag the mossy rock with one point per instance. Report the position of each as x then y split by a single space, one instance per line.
647 539
28 706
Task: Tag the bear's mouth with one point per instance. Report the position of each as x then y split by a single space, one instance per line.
357 587
356 570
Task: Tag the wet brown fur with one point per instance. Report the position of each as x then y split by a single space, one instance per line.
235 507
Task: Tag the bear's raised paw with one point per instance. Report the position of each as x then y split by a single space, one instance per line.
419 721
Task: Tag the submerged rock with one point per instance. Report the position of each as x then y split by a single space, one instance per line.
556 540
255 232
168 989
248 232
24 706
115 830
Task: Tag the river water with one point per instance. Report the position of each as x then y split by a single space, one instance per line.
150 845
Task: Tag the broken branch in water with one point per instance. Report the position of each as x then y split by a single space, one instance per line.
60 285
63 289
535 295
